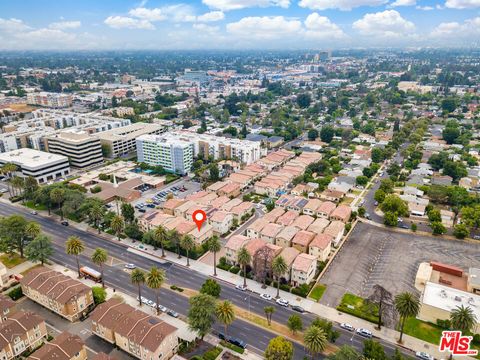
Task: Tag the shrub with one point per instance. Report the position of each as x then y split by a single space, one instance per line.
234 269
444 324
176 288
285 287
301 290
233 347
16 293
99 294
212 353
96 189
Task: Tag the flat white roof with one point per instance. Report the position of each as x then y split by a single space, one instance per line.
31 158
447 298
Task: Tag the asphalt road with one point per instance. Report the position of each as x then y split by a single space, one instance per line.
116 277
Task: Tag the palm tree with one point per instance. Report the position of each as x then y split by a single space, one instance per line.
244 258
137 277
174 238
214 246
187 243
74 246
7 170
463 319
269 310
99 257
58 196
117 224
155 279
161 237
33 229
225 313
18 183
279 267
315 340
96 214
407 305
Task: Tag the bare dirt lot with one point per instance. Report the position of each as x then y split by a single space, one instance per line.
374 255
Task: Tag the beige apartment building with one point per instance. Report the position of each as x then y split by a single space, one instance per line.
57 292
135 332
65 346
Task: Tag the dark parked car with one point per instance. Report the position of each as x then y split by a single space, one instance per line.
64 223
232 340
298 308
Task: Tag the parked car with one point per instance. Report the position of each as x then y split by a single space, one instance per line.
347 326
364 332
172 313
266 296
403 226
238 342
33 212
298 308
282 302
142 210
423 355
476 237
64 223
241 287
130 266
375 203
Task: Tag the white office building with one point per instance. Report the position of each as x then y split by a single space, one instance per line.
82 149
41 165
173 154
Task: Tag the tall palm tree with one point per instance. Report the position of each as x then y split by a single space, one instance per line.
96 214
74 246
8 169
99 257
155 279
269 310
407 305
214 246
225 313
137 277
279 267
17 184
244 258
33 229
58 196
315 340
174 238
117 224
161 237
463 319
187 243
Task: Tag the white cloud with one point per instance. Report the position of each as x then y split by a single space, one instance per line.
206 28
403 3
211 16
13 25
62 25
388 23
320 27
148 14
175 13
120 22
265 27
227 5
424 8
468 30
462 4
338 4
48 35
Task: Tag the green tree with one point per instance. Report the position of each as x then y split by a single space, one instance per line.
463 318
174 239
315 340
438 228
378 155
326 133
187 243
214 246
386 185
128 212
13 234
214 172
269 310
279 267
434 215
161 238
279 348
327 327
312 134
244 258
461 231
225 313
57 196
201 314
99 295
413 227
99 258
96 214
304 100
346 352
117 225
361 180
407 305
373 350
211 287
390 218
137 277
39 249
379 196
74 246
393 203
154 280
295 323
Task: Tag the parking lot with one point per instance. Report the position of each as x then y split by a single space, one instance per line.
373 255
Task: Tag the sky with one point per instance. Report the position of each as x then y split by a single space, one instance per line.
237 24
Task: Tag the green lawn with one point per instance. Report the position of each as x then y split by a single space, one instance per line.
356 306
423 330
317 292
31 204
12 260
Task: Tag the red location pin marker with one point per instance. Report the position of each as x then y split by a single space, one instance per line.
199 217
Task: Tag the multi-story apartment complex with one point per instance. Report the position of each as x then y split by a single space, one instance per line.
38 164
65 346
21 332
175 155
82 150
57 292
139 334
48 99
122 141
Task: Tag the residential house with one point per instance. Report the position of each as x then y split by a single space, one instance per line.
242 210
253 246
231 204
321 246
153 219
312 206
289 254
170 205
65 346
230 190
318 225
221 222
335 229
287 218
447 217
444 180
235 243
285 237
302 240
326 209
273 215
254 229
270 232
303 222
7 307
57 292
303 269
332 195
341 213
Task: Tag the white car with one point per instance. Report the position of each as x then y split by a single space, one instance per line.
266 296
423 355
33 212
282 302
364 332
162 308
347 326
241 287
130 266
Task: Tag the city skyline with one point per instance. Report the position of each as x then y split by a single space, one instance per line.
238 24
